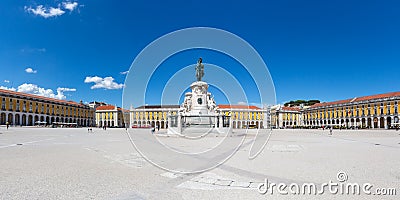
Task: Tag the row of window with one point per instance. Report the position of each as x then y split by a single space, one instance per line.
18 105
287 117
246 115
360 111
163 115
290 116
108 115
151 115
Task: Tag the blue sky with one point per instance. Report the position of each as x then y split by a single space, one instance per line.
325 50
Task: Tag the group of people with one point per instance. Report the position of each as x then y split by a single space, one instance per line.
153 129
90 129
330 129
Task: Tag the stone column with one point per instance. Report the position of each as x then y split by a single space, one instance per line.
179 123
169 119
20 119
379 122
131 114
221 121
385 122
372 123
366 122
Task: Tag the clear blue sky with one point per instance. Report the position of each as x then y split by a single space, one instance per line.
325 50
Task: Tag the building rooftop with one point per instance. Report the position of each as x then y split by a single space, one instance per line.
157 106
106 107
32 96
227 106
290 108
110 107
358 99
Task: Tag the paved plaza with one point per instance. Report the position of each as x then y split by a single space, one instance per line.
70 163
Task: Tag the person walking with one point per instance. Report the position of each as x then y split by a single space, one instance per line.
7 124
330 131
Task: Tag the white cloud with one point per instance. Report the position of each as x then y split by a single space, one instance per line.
33 50
125 72
6 81
106 83
94 79
66 89
30 70
60 92
45 12
6 88
258 105
70 5
242 103
34 89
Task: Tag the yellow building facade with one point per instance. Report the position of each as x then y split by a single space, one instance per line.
152 116
285 117
111 116
375 111
243 116
237 116
23 109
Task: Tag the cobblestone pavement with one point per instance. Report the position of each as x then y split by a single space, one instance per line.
46 163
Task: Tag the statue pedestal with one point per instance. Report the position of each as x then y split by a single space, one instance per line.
199 98
198 111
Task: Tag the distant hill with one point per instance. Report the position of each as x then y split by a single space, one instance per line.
299 102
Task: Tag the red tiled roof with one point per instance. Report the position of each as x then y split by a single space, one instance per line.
106 107
291 108
357 99
26 95
111 107
227 106
331 103
157 106
379 96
